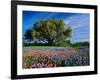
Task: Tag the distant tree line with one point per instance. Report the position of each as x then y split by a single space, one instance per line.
80 44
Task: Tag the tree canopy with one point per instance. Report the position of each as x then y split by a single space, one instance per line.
53 31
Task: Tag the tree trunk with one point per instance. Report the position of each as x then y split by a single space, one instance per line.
50 42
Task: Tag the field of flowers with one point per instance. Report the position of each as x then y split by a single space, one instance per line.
55 57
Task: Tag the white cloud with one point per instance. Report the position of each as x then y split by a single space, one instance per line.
77 21
80 27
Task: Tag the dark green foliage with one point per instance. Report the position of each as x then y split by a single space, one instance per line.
28 34
79 44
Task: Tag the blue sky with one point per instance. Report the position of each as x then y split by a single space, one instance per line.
79 22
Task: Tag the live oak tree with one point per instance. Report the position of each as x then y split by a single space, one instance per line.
53 31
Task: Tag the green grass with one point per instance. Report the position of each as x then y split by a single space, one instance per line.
43 46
